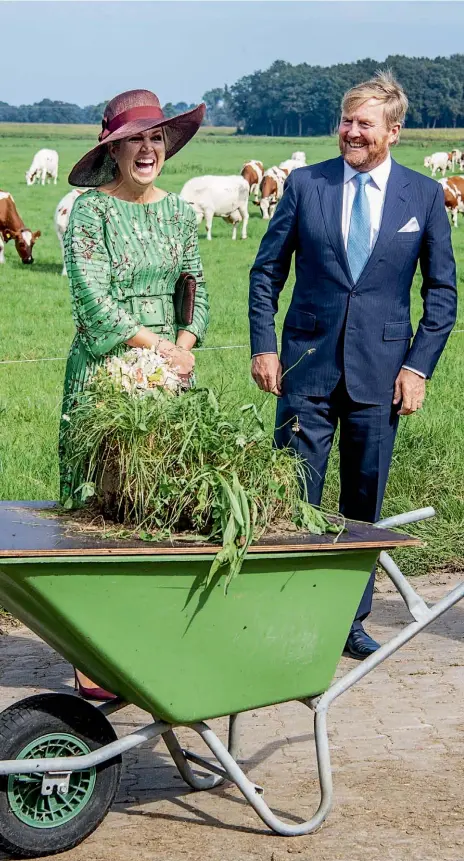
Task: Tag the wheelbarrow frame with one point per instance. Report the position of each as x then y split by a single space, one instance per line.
226 766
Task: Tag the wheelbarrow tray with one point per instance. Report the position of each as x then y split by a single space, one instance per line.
138 620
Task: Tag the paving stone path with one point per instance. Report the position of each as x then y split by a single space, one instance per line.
397 744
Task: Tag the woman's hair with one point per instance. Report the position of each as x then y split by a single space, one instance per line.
386 90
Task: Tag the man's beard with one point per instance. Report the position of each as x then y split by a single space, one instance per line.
365 158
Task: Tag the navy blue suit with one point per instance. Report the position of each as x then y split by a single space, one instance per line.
360 333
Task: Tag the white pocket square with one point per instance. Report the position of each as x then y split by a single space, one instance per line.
410 227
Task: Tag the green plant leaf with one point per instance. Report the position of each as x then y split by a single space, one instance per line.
234 504
86 490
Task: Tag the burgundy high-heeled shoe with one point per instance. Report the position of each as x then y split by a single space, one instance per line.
91 693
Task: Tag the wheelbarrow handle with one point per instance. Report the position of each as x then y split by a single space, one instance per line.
407 517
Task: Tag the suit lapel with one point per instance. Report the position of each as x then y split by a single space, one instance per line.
331 198
396 199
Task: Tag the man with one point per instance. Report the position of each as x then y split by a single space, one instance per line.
358 225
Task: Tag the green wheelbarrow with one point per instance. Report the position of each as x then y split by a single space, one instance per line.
137 619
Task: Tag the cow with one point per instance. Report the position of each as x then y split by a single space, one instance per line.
453 188
272 188
222 196
298 159
44 166
12 227
253 172
456 158
437 161
61 219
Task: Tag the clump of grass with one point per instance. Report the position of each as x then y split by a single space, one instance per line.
166 464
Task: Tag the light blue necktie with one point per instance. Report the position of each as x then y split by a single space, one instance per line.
358 247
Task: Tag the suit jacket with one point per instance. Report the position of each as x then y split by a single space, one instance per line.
361 330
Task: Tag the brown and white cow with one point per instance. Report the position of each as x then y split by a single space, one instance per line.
272 189
453 188
12 227
253 172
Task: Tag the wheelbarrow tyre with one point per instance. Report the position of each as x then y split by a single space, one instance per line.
33 825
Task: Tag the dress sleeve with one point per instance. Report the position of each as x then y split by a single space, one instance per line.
100 321
191 263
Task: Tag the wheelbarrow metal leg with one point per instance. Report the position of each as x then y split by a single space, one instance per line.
182 758
234 736
253 793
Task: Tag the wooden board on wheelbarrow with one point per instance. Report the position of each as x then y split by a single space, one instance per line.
28 530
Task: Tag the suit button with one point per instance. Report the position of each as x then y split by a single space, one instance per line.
353 293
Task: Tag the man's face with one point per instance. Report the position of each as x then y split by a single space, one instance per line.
363 136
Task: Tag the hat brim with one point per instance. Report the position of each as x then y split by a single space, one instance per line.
97 168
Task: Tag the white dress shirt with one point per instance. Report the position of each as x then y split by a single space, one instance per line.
375 193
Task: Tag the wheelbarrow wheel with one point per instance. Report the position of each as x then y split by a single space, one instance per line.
33 824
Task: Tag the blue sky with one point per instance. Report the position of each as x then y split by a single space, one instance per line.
86 52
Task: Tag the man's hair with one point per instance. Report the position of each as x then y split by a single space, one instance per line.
386 90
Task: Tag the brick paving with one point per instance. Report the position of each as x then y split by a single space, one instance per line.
397 742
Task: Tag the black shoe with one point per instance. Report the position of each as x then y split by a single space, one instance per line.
359 645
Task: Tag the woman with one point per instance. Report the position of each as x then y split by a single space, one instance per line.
125 246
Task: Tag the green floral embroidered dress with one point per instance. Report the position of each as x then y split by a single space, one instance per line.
123 260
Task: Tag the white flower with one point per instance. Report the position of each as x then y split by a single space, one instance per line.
65 417
142 371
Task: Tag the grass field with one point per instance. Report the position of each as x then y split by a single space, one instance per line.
36 323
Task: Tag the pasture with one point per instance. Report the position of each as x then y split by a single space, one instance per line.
36 323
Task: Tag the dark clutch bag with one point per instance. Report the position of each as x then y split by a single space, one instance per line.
184 298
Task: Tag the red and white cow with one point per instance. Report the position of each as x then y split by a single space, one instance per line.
253 172
12 227
453 188
62 213
222 196
272 189
44 166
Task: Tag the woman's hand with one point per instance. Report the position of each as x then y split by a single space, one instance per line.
180 359
178 354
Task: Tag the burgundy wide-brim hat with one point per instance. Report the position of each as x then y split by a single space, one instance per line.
128 114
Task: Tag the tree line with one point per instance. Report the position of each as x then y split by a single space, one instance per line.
48 111
305 100
296 100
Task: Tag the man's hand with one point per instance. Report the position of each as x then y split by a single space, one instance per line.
266 371
409 391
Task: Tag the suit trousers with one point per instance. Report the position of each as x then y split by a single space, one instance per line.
367 436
